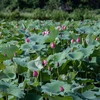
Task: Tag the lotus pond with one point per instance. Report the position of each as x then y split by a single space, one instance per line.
47 60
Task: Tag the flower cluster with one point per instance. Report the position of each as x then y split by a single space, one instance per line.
61 27
46 32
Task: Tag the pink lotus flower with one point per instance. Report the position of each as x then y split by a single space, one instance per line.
63 27
46 32
96 39
72 40
61 89
52 45
27 40
43 33
78 40
58 28
35 73
44 62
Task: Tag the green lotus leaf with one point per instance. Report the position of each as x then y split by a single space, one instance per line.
38 47
36 38
8 49
35 64
26 46
21 61
51 37
75 55
86 29
11 89
75 97
87 51
60 98
54 87
3 58
89 94
58 57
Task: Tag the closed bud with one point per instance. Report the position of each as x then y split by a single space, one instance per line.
96 39
52 45
72 40
78 40
44 62
61 89
27 40
35 73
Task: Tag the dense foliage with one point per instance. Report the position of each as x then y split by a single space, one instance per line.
46 59
67 5
56 15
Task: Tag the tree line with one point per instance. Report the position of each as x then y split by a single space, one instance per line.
66 5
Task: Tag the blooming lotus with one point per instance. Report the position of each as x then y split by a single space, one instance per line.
45 32
63 27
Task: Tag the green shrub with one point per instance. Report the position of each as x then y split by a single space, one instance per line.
59 15
52 4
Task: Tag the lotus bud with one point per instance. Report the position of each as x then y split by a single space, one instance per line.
63 27
27 40
61 89
52 45
44 62
35 73
78 40
96 39
72 40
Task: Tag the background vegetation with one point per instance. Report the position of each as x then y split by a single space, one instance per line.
49 9
66 5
